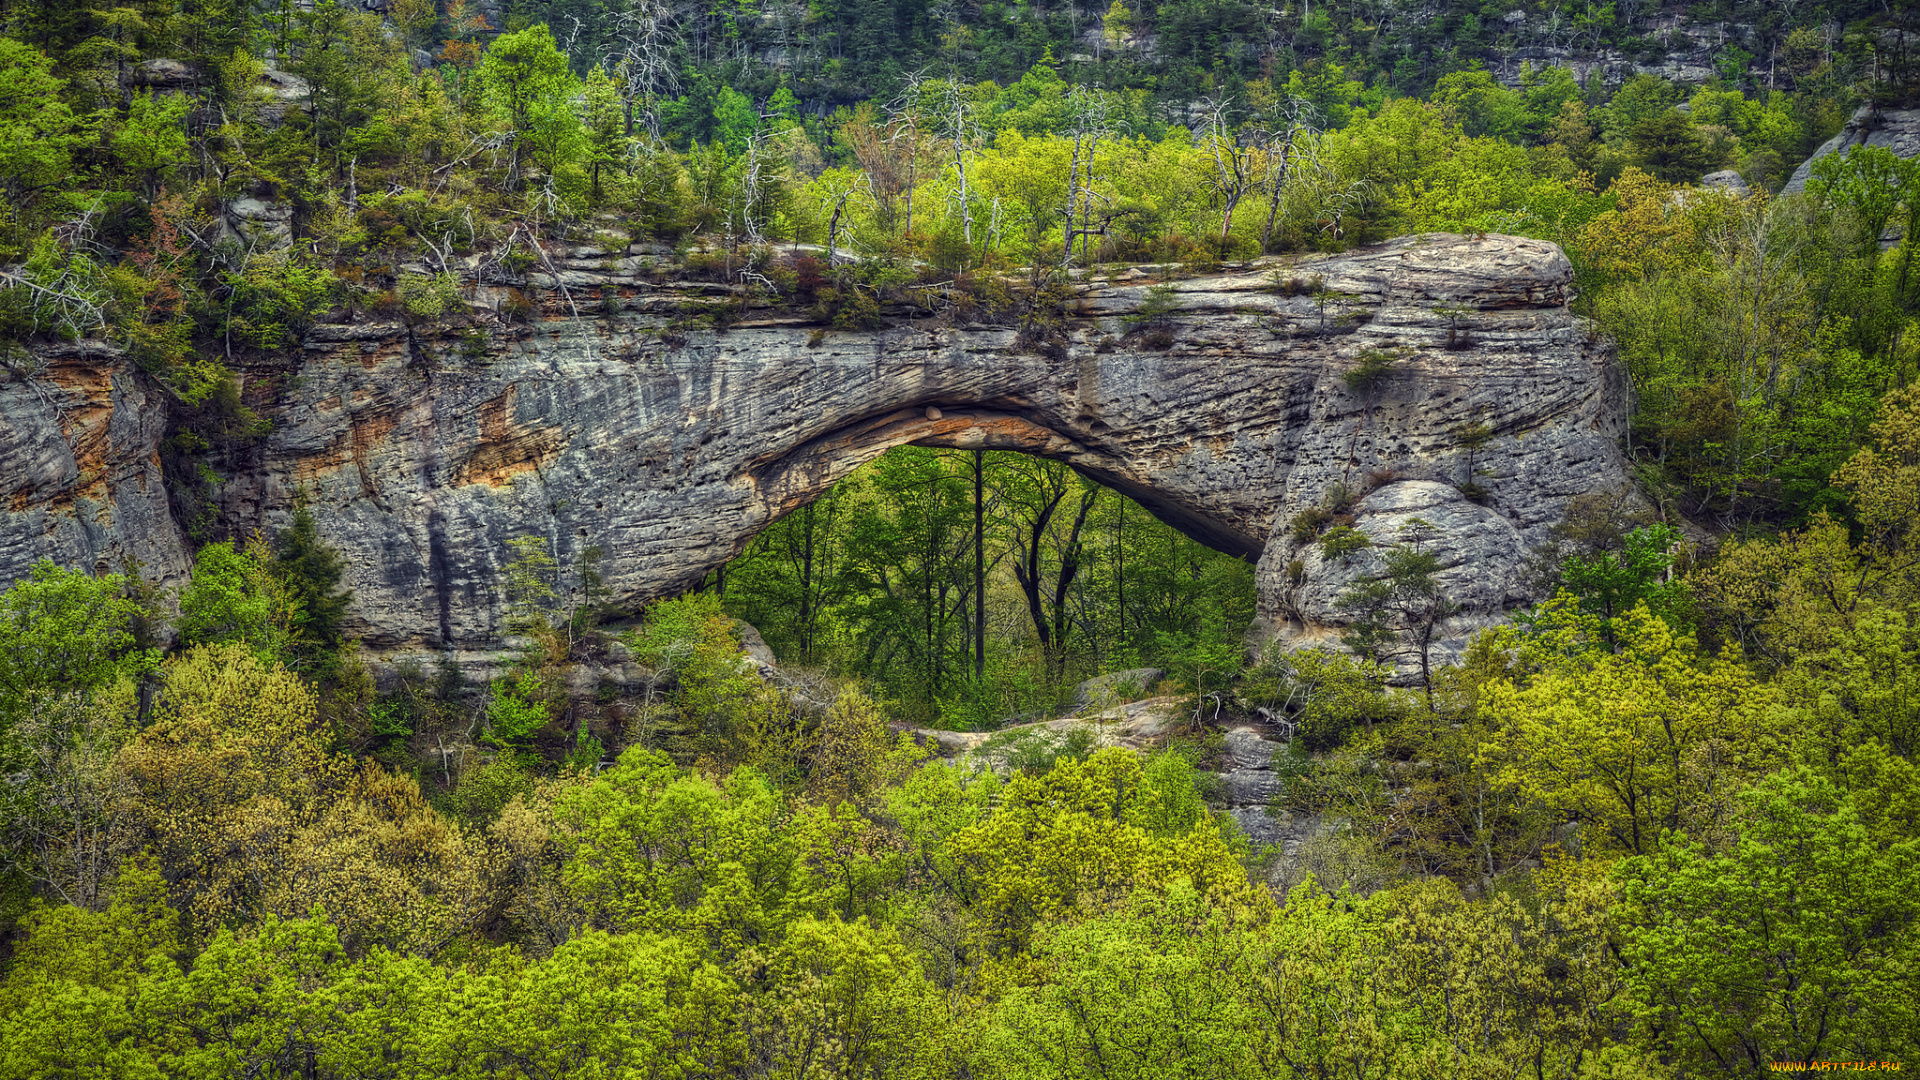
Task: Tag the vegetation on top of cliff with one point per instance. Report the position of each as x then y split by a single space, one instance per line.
203 185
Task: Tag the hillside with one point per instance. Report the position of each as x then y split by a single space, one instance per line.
501 508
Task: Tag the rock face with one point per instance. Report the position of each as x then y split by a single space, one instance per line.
80 480
1247 788
1727 180
601 428
1896 129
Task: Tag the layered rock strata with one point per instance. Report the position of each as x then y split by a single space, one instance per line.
618 428
80 476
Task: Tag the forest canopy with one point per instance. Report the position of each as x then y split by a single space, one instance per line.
1661 825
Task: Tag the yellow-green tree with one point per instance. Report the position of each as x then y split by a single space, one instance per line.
1632 743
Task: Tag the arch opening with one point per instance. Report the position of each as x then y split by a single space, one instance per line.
794 477
973 566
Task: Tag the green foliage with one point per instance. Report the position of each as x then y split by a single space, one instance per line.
312 571
1341 542
1633 743
235 596
1155 311
1794 944
878 578
38 133
484 792
430 297
1370 375
153 139
517 711
810 902
525 82
1399 612
1610 583
529 582
275 300
656 851
64 632
1329 695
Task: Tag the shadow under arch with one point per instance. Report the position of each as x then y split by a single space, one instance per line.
789 480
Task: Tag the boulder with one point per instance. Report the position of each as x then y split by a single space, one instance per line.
1115 688
163 75
1726 180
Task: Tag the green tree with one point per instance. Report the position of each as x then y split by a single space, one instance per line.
639 1004
1798 944
1667 146
1611 583
152 140
526 84
601 113
1878 189
349 63
1634 743
38 133
237 596
64 632
1399 612
517 711
312 571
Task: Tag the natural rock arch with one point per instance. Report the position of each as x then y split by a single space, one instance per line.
421 455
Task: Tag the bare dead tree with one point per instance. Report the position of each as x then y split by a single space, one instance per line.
838 199
903 116
1233 159
1293 119
961 125
1090 111
750 183
647 31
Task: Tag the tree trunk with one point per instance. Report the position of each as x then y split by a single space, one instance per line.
1027 571
979 567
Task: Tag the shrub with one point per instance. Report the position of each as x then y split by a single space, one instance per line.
1371 373
517 712
1292 285
1155 312
429 297
1342 541
1307 523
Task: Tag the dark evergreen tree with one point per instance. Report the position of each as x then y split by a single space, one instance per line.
312 571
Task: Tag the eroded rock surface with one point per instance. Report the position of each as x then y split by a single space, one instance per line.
1248 786
1897 130
422 450
80 478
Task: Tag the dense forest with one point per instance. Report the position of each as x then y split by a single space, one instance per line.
1666 824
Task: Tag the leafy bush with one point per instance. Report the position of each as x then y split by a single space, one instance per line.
1370 375
430 296
517 711
1341 542
275 300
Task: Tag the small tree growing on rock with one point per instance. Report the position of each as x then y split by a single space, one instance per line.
1397 614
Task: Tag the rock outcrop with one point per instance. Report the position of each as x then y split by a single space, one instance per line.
1896 129
80 477
617 431
1247 790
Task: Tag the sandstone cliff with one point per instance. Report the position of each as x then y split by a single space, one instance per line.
424 449
80 477
1896 129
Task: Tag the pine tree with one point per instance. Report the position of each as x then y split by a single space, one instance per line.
312 571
